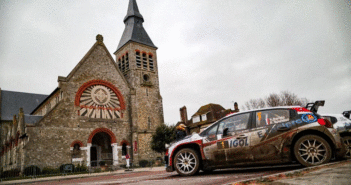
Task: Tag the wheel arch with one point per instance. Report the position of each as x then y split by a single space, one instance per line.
196 147
311 132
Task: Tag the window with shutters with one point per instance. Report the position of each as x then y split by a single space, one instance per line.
138 59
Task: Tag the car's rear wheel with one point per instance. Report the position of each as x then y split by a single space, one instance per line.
186 162
347 142
312 150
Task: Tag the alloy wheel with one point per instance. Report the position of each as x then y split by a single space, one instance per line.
312 150
347 142
187 162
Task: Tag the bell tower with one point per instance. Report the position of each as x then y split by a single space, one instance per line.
137 60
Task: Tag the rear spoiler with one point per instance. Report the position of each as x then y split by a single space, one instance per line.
313 107
347 114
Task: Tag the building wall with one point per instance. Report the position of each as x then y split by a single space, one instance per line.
146 101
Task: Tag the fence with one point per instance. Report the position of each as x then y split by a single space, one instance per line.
59 169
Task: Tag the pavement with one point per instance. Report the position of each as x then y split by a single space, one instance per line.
77 176
328 174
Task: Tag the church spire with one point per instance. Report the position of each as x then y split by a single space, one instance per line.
134 30
133 11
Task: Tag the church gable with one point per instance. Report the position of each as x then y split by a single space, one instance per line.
97 64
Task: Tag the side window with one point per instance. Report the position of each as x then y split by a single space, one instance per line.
270 117
235 123
213 130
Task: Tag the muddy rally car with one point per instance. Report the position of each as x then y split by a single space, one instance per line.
342 124
265 136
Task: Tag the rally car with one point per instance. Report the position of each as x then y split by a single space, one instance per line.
342 124
264 136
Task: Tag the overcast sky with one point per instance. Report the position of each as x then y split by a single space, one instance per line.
209 51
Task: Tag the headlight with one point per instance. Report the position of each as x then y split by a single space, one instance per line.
167 146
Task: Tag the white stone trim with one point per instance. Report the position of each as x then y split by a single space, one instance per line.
115 153
77 159
88 154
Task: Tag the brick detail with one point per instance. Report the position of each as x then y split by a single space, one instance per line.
100 82
107 131
77 142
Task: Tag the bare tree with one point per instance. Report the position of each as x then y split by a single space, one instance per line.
285 98
273 100
255 104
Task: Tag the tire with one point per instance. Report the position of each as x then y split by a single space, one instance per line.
347 142
186 162
312 150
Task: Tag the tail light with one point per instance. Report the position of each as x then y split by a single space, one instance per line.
325 123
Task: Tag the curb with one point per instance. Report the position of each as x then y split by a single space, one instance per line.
288 172
70 177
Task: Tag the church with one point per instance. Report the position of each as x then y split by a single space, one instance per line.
104 109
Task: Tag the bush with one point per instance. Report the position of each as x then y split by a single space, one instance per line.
32 170
49 171
10 173
67 168
80 168
143 163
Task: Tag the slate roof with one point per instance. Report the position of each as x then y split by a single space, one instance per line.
134 30
31 119
11 101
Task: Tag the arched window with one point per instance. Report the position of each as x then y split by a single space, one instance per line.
151 63
144 61
124 149
138 61
76 151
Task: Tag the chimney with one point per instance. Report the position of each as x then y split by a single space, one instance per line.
183 115
236 109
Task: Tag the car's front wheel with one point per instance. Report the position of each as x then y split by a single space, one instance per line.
347 142
186 162
312 150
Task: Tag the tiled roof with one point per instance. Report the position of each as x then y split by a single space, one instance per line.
11 101
209 107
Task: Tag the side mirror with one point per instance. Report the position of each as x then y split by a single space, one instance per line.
225 132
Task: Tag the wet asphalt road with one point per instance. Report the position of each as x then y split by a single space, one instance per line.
226 176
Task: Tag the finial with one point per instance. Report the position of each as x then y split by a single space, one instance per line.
99 39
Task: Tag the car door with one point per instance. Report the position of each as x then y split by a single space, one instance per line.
211 152
271 129
236 138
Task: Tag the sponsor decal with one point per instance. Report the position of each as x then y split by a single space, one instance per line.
233 143
309 118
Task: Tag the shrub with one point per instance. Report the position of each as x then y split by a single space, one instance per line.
10 173
143 163
32 170
81 168
67 168
49 171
